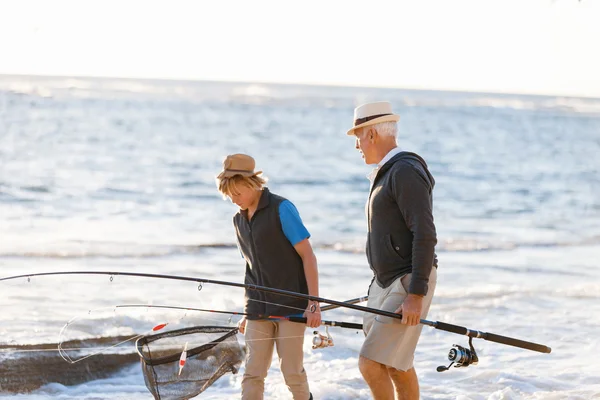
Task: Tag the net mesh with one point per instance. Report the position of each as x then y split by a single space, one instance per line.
212 351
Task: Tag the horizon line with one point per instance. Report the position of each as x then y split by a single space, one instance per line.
311 84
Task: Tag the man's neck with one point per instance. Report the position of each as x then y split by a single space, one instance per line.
384 150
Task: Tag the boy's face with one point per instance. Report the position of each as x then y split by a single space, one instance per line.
243 195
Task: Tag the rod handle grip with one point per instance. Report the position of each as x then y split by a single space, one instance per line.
517 343
492 337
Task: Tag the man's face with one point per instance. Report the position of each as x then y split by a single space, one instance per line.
365 144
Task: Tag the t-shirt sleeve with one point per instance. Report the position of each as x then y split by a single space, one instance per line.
291 223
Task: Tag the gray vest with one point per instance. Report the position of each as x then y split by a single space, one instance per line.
271 260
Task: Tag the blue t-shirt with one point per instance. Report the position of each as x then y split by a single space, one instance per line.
293 228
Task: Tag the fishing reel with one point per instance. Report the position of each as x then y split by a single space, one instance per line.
460 356
322 341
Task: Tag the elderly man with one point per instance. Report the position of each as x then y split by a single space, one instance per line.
400 249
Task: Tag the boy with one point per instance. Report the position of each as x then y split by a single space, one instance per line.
274 243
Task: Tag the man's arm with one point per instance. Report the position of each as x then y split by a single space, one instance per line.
413 196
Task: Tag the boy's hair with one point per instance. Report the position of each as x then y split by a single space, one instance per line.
229 185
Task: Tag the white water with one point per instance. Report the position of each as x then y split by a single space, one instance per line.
100 175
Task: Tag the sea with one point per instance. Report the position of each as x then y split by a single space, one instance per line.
100 174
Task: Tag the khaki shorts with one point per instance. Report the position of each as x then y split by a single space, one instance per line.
388 341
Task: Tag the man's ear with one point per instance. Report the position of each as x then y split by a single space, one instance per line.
372 135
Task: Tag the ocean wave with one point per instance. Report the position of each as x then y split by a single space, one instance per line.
111 250
19 193
80 249
469 245
588 106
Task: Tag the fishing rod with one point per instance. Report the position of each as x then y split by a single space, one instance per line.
460 330
319 340
351 301
339 324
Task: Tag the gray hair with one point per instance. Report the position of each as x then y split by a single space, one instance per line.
386 128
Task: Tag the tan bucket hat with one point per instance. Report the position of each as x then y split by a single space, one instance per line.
373 113
238 164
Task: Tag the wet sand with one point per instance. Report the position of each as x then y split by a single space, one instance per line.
24 368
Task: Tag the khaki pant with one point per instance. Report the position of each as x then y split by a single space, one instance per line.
288 337
388 341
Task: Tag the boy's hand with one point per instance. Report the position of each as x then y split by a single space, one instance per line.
313 315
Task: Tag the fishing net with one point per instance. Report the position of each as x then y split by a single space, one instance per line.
211 352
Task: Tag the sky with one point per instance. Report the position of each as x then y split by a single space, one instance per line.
507 46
